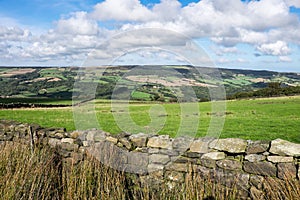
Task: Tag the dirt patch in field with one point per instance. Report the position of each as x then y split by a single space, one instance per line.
258 80
17 72
48 79
54 80
168 83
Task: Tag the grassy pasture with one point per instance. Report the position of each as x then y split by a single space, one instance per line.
262 119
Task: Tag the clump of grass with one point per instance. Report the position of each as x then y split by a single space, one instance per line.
289 188
24 175
43 175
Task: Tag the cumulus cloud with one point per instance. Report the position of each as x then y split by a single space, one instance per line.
295 3
279 48
285 59
77 24
13 34
268 25
125 10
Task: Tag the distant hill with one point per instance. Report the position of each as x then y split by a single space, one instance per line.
144 82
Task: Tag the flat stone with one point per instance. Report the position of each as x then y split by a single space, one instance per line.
200 145
203 171
54 142
75 134
208 163
229 164
255 157
285 148
155 167
231 145
112 139
159 159
109 154
182 143
260 168
59 135
139 140
99 136
153 150
255 147
169 152
67 140
69 147
162 141
214 156
179 167
182 159
126 143
280 159
138 159
90 136
141 150
286 170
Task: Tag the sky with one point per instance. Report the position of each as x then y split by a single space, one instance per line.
240 34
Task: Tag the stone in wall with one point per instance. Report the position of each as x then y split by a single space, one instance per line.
214 156
139 140
162 141
285 148
181 144
260 168
161 158
280 159
201 145
229 164
286 170
179 167
255 147
255 157
231 145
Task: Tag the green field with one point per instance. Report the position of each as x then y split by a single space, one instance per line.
260 119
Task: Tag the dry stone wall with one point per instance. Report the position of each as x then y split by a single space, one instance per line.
159 158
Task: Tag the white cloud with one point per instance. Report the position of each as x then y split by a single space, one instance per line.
279 48
295 3
268 25
125 10
285 59
13 34
77 24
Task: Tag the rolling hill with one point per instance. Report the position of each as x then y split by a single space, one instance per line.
143 82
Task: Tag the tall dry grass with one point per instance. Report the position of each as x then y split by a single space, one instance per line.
43 175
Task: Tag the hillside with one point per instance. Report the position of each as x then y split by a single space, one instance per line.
150 83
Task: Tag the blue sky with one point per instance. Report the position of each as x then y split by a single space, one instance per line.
248 34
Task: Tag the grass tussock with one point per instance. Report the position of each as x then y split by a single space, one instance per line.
43 175
289 188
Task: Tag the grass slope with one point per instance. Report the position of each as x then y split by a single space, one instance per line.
260 119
